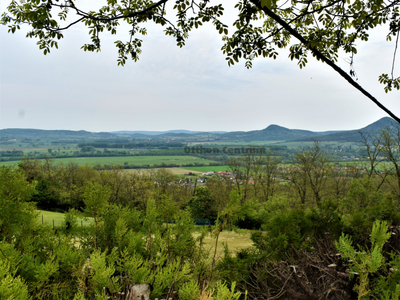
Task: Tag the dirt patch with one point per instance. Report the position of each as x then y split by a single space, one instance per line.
176 171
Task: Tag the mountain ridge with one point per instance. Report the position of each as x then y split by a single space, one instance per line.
354 135
177 131
272 132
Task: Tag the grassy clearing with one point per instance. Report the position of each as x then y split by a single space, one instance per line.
58 218
9 163
235 241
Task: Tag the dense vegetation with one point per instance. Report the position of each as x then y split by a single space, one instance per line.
319 229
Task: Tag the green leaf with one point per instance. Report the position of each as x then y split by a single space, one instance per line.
268 3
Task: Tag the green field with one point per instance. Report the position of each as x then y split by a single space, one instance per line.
8 163
49 216
304 144
131 160
235 242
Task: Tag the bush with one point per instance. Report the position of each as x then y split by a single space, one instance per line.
297 227
70 222
252 222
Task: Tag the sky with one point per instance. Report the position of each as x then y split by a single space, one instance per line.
188 88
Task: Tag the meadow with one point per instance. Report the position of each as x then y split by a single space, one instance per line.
131 160
233 240
175 171
48 217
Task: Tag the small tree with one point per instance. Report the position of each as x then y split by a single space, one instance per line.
310 170
365 262
391 150
372 146
201 204
96 202
17 216
266 175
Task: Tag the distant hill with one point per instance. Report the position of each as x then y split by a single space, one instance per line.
53 134
354 135
271 133
162 132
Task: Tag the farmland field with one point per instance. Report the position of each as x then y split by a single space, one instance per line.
176 171
131 160
205 169
8 163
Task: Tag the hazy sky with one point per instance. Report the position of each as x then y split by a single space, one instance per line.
190 88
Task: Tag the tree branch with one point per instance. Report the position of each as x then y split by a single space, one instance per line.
394 54
68 26
322 57
134 14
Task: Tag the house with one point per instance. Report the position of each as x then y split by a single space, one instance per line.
226 173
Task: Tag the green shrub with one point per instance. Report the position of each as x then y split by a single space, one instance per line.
16 214
189 291
284 229
366 262
222 292
70 222
326 218
11 286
